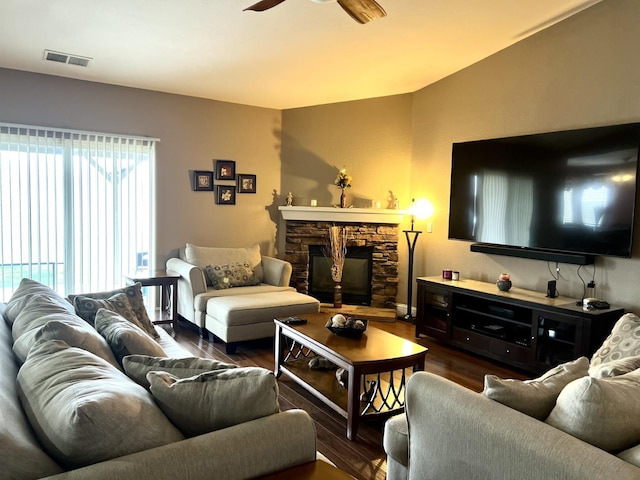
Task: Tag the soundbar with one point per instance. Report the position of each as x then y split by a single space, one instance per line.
547 255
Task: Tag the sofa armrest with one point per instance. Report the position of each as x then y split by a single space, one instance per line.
190 284
456 433
244 451
276 272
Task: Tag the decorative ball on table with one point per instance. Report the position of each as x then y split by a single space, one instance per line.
347 327
504 282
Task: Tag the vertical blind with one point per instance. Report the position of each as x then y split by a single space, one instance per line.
76 208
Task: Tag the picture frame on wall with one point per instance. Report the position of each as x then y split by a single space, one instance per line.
225 170
202 181
225 194
246 183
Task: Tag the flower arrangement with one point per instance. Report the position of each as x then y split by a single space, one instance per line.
343 180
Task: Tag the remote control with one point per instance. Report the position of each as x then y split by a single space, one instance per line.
294 321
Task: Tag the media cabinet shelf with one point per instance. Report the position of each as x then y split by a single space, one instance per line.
522 328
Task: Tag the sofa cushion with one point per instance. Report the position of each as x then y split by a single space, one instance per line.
137 366
24 294
22 455
217 399
37 312
203 256
615 367
600 411
125 338
536 397
84 410
136 300
238 274
623 341
74 331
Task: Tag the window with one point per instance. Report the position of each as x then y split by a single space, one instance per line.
76 208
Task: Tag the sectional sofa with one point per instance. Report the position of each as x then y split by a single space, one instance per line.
70 408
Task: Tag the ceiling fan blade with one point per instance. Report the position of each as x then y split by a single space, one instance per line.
363 11
264 5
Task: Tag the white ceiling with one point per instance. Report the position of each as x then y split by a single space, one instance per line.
299 53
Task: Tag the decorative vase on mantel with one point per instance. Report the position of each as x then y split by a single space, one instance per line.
343 198
337 295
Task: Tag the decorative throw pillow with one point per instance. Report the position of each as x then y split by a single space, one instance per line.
623 341
74 331
215 400
83 410
239 274
601 411
124 337
203 256
25 292
536 397
87 307
615 367
137 366
136 300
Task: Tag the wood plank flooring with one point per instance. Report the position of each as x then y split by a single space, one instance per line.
364 458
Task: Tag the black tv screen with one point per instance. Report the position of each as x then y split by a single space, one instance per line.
569 191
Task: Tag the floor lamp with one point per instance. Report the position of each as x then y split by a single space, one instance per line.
422 209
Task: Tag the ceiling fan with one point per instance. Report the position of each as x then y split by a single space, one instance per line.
362 11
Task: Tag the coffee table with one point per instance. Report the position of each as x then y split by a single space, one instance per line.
378 364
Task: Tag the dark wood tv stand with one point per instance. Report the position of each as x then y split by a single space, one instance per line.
522 328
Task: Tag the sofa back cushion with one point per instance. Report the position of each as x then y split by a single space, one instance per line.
72 330
601 411
84 410
203 256
24 294
217 399
22 455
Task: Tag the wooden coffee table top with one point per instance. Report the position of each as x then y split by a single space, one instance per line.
372 346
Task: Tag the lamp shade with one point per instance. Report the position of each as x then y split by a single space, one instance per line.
420 209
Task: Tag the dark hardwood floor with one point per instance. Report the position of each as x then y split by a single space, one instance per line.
363 458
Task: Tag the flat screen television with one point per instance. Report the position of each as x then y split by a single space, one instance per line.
560 192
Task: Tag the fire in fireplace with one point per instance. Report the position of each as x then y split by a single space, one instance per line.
356 275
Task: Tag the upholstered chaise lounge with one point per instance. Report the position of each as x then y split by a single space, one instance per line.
235 293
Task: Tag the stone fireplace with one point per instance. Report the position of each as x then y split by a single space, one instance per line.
307 228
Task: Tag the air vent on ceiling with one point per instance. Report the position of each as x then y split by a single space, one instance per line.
67 58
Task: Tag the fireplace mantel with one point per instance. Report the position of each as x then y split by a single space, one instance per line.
344 215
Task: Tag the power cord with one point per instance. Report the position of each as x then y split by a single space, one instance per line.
585 285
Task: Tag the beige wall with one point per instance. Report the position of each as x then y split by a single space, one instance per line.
370 138
580 73
193 132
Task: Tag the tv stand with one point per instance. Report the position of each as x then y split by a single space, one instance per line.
522 328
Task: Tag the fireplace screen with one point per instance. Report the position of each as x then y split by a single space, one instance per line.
356 275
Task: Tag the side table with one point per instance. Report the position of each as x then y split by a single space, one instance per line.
168 281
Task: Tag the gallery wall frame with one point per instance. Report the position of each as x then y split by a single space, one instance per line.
202 181
246 183
225 169
225 194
